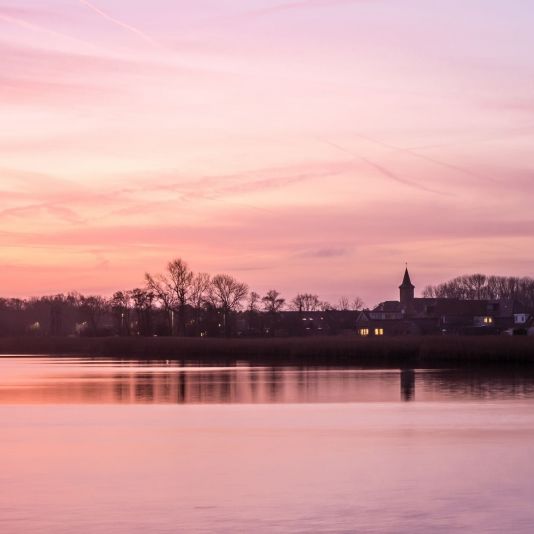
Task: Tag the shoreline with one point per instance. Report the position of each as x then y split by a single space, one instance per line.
398 351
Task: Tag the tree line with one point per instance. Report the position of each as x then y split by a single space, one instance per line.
483 287
178 302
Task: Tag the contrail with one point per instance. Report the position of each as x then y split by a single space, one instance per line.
386 172
435 161
117 22
35 28
391 175
304 4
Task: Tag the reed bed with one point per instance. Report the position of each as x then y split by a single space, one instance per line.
353 351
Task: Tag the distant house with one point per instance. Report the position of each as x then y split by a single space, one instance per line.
410 315
297 323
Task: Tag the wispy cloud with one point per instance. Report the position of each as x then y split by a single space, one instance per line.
74 203
128 27
226 189
293 224
10 11
326 252
48 64
304 4
57 211
20 91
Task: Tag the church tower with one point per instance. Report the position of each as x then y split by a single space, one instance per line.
407 293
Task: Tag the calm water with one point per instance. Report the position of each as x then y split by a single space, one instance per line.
101 446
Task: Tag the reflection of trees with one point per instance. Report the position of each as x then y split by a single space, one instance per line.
159 382
479 384
120 388
131 383
145 387
275 384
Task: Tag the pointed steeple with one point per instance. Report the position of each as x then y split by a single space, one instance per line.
407 292
406 282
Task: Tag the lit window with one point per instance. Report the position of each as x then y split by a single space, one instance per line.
379 331
364 331
488 320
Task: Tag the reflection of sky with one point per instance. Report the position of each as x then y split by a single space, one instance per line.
50 381
375 467
259 137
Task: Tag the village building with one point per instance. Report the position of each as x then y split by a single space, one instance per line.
417 316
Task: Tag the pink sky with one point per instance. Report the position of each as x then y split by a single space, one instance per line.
303 145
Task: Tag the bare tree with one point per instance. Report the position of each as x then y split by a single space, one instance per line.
158 286
58 305
357 304
344 304
254 321
200 292
120 306
200 289
482 287
272 302
429 292
475 285
253 301
92 309
143 303
305 302
181 278
227 294
173 291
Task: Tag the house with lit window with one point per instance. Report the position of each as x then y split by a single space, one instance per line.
418 316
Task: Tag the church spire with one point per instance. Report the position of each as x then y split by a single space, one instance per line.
407 292
406 282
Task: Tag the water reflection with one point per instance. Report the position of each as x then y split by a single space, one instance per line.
407 380
73 381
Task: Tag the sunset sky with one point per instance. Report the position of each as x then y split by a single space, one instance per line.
306 145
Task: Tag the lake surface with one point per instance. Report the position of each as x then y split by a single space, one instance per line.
104 446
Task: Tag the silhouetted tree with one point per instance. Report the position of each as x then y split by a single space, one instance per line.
200 292
344 304
272 302
120 307
92 309
56 315
227 295
306 302
253 300
482 287
357 304
254 322
173 291
143 302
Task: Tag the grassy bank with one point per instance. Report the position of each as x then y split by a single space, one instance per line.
413 351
